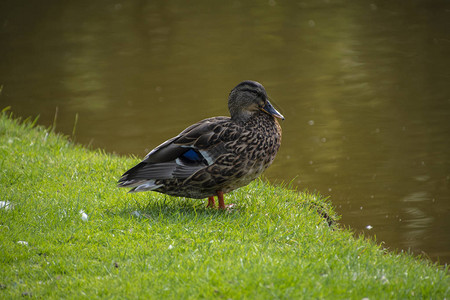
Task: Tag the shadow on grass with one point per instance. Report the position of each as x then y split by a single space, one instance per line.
176 210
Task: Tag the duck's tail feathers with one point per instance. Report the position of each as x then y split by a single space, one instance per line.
140 185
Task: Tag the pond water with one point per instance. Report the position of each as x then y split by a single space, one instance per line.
364 87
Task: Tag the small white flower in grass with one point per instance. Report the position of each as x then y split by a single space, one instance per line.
6 205
22 243
170 247
63 213
369 227
84 216
136 214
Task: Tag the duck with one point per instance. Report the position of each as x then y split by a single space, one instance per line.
216 155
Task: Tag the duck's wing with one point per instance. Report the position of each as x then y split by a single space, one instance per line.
197 147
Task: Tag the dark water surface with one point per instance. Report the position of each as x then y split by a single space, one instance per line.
364 87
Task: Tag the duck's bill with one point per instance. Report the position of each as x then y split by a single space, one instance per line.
268 108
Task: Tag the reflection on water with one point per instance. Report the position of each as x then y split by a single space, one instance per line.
364 89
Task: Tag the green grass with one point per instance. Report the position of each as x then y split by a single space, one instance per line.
276 243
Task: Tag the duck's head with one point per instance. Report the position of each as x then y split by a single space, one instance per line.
248 98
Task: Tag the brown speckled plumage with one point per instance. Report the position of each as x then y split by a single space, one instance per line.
215 155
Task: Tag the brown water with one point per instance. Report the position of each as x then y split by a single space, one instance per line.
364 87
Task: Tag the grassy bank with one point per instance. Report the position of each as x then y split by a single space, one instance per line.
66 231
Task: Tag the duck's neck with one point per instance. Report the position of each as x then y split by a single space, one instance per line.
258 116
242 116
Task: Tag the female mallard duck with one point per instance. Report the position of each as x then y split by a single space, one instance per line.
216 155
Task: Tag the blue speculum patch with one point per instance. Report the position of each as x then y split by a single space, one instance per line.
192 155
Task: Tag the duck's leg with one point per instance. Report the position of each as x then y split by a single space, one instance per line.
221 201
211 202
222 205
